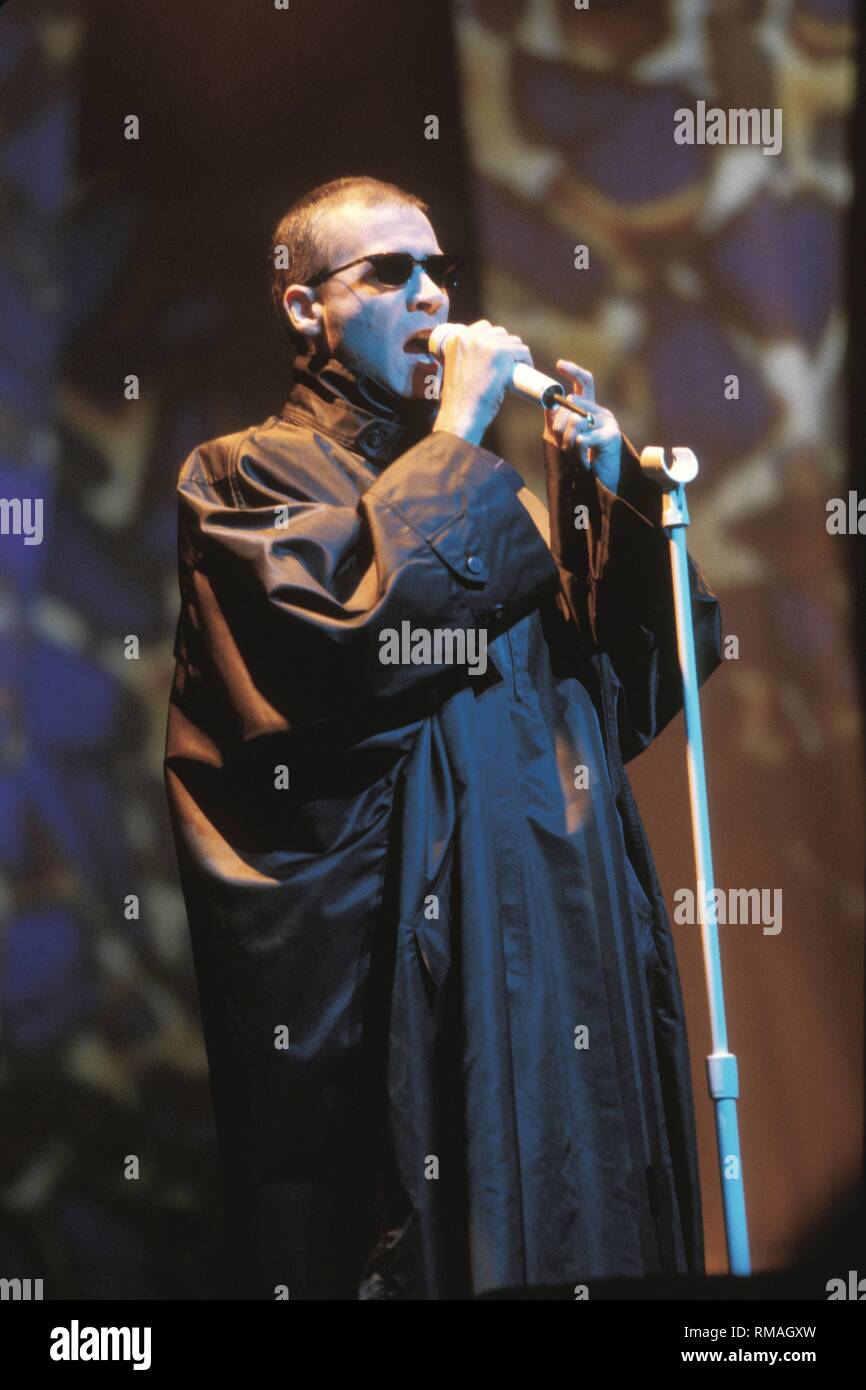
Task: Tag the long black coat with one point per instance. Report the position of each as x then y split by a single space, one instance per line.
438 986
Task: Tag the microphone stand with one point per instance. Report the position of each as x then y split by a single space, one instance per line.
722 1075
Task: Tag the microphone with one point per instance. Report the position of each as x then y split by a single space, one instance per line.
525 381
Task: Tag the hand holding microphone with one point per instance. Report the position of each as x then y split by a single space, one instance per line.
479 363
482 362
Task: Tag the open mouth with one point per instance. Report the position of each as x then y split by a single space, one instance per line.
418 344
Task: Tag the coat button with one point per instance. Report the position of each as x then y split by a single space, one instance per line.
373 440
474 563
499 612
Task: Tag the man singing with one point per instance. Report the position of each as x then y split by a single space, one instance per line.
439 994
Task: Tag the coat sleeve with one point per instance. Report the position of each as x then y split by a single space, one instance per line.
286 597
614 562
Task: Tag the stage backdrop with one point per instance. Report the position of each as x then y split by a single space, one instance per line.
142 250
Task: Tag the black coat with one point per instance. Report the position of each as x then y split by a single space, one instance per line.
438 987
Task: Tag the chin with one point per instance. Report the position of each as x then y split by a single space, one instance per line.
417 379
405 386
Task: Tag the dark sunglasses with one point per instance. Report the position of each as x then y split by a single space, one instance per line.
395 268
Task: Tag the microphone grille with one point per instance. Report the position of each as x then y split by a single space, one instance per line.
439 335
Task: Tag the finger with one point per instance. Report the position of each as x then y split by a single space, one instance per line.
516 348
585 439
569 428
581 375
561 414
582 378
588 418
573 432
578 435
563 423
596 425
597 419
591 439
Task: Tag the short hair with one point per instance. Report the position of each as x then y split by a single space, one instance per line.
301 232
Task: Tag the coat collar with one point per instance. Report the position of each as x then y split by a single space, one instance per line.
358 411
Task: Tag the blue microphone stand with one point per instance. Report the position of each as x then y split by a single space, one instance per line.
721 1063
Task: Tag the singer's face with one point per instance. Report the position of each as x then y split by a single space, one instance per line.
367 325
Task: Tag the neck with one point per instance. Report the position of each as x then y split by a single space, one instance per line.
365 391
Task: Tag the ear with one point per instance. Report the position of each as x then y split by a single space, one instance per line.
304 311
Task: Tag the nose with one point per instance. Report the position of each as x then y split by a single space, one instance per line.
424 292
